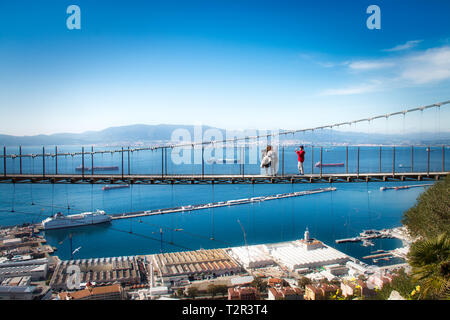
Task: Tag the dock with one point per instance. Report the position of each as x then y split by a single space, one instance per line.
228 203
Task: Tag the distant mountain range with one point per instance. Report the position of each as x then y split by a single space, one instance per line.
154 134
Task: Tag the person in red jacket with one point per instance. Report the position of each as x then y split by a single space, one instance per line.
301 158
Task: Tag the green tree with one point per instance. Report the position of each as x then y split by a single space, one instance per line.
192 292
430 216
180 292
303 281
222 289
260 284
212 290
430 260
429 256
402 282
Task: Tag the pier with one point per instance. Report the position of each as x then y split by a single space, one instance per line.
190 208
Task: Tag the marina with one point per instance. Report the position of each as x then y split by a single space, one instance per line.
366 235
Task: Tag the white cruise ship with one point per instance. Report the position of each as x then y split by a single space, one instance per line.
75 220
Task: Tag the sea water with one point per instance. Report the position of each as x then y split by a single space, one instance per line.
343 213
329 216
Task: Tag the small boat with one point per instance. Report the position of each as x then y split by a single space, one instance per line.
319 164
367 243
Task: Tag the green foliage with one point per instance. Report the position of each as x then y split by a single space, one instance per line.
260 284
221 289
303 281
430 216
214 289
180 292
192 292
402 283
430 259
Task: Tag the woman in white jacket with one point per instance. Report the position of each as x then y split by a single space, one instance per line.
269 159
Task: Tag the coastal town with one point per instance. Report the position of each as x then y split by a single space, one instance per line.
303 269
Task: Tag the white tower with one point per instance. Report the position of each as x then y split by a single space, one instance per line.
306 235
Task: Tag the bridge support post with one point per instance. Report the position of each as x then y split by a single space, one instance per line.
203 161
4 161
412 158
321 163
357 163
393 161
20 159
82 162
92 160
128 152
162 162
56 160
122 163
346 159
312 159
43 162
443 158
428 160
379 160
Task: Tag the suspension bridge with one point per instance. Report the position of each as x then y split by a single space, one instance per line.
125 166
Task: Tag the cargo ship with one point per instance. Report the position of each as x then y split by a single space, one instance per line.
222 161
339 164
110 168
119 186
75 220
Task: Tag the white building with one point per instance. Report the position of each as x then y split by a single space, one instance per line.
252 256
17 292
336 269
356 269
240 281
37 269
296 256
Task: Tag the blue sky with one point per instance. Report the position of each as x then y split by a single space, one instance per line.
231 64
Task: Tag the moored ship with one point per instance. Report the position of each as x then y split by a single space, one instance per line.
319 164
119 186
102 168
75 220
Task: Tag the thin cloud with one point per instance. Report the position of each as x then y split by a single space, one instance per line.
433 65
402 47
322 63
419 68
373 86
369 65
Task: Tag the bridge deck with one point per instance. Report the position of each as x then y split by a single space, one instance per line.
220 179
